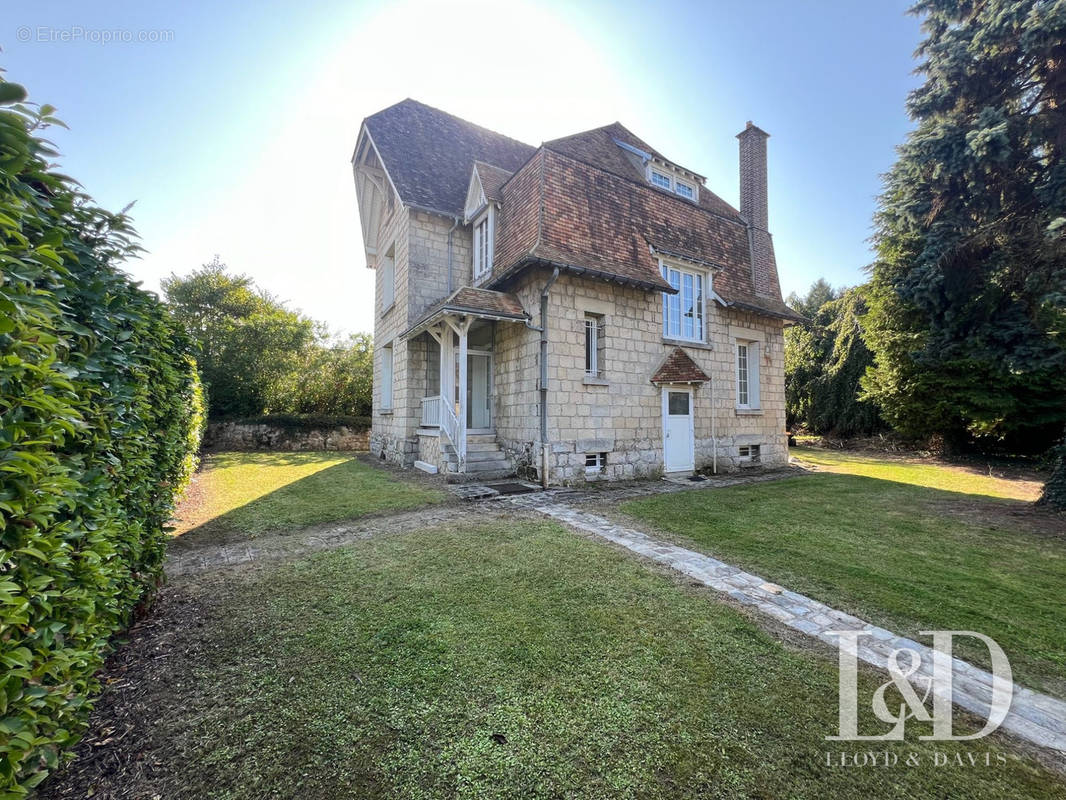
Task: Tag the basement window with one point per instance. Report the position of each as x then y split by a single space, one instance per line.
595 462
750 452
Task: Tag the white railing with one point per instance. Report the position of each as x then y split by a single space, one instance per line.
431 411
449 424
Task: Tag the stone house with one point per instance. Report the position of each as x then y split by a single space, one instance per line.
583 310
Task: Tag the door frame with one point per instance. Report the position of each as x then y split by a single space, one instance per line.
691 425
491 381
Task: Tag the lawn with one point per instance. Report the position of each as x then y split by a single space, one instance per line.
921 472
246 494
504 659
907 546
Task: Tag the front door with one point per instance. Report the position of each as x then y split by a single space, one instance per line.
678 432
478 391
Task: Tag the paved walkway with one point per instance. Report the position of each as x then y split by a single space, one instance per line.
1035 717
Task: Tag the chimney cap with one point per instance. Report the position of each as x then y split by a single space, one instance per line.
752 128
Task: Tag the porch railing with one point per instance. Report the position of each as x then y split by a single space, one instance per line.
449 425
431 411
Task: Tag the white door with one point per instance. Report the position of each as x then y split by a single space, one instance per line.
679 444
478 391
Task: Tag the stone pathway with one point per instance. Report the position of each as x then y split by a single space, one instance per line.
1035 717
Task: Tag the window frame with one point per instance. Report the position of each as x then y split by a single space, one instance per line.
751 400
595 333
483 245
388 279
598 465
672 182
704 277
753 454
388 376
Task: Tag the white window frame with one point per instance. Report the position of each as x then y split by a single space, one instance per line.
688 185
673 182
387 376
595 462
750 452
483 243
665 268
653 172
388 279
747 374
594 325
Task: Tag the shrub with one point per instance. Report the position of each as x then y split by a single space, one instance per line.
100 416
327 380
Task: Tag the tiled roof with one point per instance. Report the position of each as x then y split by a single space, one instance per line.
581 203
679 368
429 154
599 147
476 302
492 179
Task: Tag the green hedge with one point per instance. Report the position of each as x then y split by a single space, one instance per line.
100 417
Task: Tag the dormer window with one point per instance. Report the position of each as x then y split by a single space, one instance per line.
667 179
484 241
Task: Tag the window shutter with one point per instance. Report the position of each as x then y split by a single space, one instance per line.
754 353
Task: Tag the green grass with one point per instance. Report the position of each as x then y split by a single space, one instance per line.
511 660
928 473
247 494
896 551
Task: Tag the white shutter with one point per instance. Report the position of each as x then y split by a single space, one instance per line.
754 354
386 377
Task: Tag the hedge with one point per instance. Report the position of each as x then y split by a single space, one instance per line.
100 418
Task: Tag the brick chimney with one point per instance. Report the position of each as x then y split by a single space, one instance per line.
753 209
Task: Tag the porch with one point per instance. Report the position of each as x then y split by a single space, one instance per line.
458 405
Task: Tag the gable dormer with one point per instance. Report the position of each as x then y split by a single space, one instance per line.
484 196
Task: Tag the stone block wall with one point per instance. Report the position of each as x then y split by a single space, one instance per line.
238 436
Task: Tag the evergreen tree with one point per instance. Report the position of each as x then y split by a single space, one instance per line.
968 292
824 362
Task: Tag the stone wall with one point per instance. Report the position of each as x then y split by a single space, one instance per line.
239 436
621 413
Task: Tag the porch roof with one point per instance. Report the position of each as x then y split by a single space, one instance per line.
472 302
678 367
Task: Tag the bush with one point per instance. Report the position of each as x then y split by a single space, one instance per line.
327 380
100 417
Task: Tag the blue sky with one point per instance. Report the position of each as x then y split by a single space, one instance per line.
233 126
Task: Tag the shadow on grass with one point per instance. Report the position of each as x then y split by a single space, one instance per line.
338 491
906 557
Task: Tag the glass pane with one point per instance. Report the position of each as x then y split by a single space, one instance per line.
686 298
677 404
699 307
590 346
675 315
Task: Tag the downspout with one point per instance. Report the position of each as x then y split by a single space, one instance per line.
544 376
451 230
714 431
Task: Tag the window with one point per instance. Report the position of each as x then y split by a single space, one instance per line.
595 462
677 404
594 341
670 182
386 377
747 374
661 180
683 312
750 452
685 190
388 279
483 243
